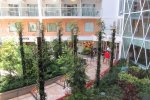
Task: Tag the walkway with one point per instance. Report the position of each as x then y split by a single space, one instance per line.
55 91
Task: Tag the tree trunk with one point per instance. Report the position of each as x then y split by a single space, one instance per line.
112 48
22 54
40 69
60 43
98 60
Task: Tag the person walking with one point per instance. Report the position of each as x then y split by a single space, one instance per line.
107 57
92 55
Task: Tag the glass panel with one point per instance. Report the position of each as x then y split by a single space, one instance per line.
137 51
12 27
51 27
139 30
32 27
125 19
148 34
32 9
89 27
137 42
134 20
142 3
126 42
147 46
126 7
146 21
142 58
52 10
127 31
68 27
146 5
136 6
130 3
88 10
13 10
122 52
131 53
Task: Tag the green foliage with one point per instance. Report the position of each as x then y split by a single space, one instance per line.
141 84
10 58
86 51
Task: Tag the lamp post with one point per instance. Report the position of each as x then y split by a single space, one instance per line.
112 46
40 66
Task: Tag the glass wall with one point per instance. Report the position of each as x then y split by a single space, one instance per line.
136 33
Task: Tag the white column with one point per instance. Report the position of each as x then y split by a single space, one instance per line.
60 7
80 8
40 10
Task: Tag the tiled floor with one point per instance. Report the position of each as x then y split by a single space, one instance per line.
55 91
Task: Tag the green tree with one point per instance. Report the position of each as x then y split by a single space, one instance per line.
101 25
19 28
10 58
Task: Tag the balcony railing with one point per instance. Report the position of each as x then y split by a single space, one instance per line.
49 11
19 11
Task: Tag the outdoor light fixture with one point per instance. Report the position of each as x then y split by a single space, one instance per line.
73 0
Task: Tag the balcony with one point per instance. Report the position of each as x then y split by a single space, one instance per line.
49 11
70 11
18 11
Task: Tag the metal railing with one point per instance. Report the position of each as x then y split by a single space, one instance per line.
49 11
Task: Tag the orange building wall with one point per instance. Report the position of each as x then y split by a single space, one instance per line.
4 26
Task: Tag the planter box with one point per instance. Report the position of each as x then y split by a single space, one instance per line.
24 90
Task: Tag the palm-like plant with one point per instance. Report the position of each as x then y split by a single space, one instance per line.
101 26
59 29
113 45
19 28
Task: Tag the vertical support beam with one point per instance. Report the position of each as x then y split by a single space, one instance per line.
80 8
40 10
60 7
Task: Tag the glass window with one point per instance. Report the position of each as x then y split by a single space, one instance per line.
13 10
89 27
141 58
51 10
51 27
121 6
146 5
12 27
32 9
136 6
127 42
32 27
68 27
88 10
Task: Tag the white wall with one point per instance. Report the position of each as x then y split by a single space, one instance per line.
109 13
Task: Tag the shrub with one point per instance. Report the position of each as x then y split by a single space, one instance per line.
86 51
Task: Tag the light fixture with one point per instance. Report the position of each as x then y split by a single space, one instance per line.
73 0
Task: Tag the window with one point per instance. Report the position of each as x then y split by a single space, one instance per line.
88 10
68 27
32 27
51 27
89 27
12 27
32 9
51 10
13 10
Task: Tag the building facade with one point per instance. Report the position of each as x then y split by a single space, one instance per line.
83 12
136 32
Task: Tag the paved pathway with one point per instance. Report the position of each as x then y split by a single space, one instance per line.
55 91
